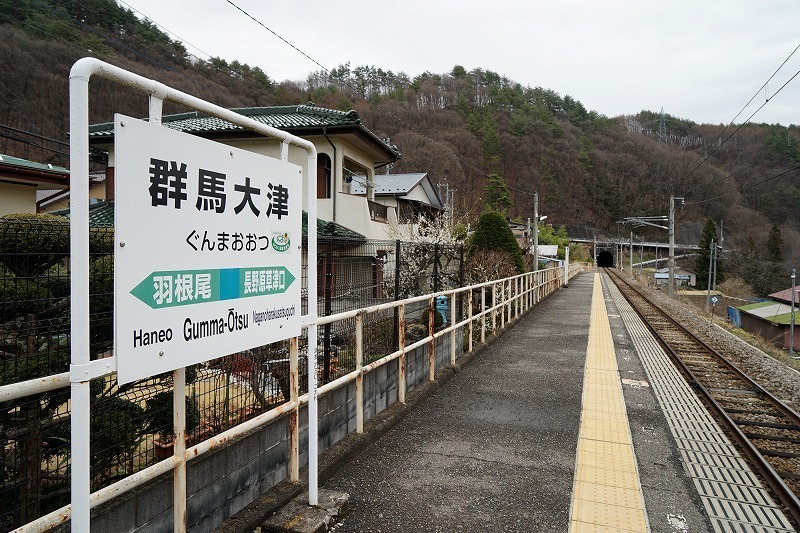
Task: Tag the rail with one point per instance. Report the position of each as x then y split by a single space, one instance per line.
735 381
490 306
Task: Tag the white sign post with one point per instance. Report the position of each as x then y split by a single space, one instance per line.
83 369
208 249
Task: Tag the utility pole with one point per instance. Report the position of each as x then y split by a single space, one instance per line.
536 231
716 251
630 274
448 198
594 253
714 278
710 262
671 284
641 255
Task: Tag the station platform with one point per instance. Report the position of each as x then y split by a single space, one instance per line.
571 421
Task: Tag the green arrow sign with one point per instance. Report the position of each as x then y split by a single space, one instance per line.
186 287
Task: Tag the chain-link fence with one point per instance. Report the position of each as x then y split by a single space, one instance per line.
132 424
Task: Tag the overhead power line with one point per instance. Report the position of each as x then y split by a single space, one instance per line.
747 167
31 134
249 83
31 143
382 108
745 188
766 101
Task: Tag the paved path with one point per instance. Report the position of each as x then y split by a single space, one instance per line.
494 449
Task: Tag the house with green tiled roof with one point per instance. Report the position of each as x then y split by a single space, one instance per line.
21 180
349 155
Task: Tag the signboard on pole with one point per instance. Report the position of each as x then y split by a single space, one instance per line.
208 249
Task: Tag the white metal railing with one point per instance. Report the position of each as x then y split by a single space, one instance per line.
510 298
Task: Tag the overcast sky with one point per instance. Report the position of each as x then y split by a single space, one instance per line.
699 60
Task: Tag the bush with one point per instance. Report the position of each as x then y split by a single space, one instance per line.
158 415
20 296
736 287
489 265
493 233
32 243
438 321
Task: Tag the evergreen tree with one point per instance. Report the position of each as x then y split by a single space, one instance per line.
774 245
496 193
493 233
704 255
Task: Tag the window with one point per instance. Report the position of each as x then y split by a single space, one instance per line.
323 176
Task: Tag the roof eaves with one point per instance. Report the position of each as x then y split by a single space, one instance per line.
300 119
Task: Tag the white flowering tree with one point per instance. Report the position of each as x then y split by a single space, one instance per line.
423 243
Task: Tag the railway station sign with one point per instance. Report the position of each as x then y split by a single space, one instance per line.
207 249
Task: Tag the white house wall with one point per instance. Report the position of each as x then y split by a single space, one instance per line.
418 194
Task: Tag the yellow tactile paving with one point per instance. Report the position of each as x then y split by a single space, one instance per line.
606 491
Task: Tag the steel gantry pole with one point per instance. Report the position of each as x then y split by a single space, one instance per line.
671 263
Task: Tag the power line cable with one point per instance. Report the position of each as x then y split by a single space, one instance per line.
122 45
382 108
30 133
232 73
748 167
704 159
163 28
22 101
31 143
744 188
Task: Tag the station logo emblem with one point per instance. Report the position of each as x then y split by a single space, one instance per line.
280 241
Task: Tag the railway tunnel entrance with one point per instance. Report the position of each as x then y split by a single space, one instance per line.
605 259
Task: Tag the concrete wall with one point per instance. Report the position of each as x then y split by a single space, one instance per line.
223 481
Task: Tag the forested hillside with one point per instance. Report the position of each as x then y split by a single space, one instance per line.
460 126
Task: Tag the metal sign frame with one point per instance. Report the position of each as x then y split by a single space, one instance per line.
82 369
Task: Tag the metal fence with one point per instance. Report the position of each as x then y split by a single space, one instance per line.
132 424
359 274
378 300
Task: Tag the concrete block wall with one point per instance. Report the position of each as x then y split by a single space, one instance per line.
223 481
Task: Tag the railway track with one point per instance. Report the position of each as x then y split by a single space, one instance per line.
765 429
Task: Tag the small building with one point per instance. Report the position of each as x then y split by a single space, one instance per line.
771 320
407 197
683 278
